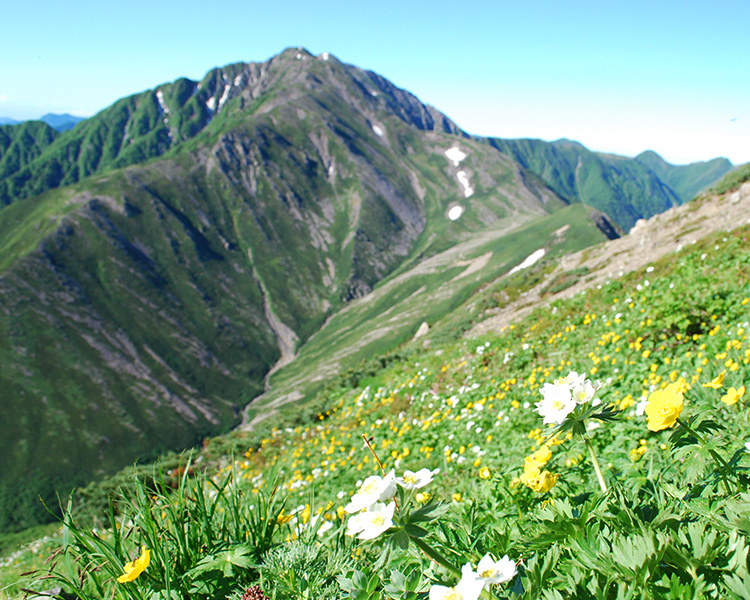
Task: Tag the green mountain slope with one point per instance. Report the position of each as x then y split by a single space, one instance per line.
686 180
422 295
624 188
23 143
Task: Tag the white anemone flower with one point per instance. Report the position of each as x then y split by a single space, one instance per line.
557 404
324 527
571 380
490 570
412 480
584 392
370 523
373 489
469 588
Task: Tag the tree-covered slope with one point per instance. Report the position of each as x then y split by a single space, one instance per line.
23 143
686 180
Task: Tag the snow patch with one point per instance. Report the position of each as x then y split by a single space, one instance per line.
299 57
378 130
211 104
225 95
238 80
530 260
160 98
455 212
325 56
376 94
455 155
463 179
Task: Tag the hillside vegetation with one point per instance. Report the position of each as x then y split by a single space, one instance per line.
609 504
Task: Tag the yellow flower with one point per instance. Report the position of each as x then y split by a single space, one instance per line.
484 473
134 568
281 519
733 395
637 453
539 458
539 481
664 406
422 497
717 381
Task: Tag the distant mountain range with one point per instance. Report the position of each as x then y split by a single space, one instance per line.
157 260
58 122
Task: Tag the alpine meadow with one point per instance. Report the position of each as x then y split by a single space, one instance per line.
288 332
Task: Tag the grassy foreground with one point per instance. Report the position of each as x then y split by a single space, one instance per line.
667 519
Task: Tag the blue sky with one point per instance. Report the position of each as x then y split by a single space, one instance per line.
619 77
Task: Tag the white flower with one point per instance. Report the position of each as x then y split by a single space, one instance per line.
557 404
412 480
584 392
324 527
373 489
490 570
371 523
747 446
640 408
572 380
468 588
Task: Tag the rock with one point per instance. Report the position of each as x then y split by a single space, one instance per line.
424 328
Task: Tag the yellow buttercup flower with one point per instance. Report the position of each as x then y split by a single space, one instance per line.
540 457
135 567
539 481
484 473
664 407
716 382
281 519
733 395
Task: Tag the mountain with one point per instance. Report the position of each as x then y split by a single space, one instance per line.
23 143
141 309
62 122
7 121
686 180
626 189
147 125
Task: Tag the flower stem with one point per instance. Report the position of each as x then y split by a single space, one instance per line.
597 468
375 454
